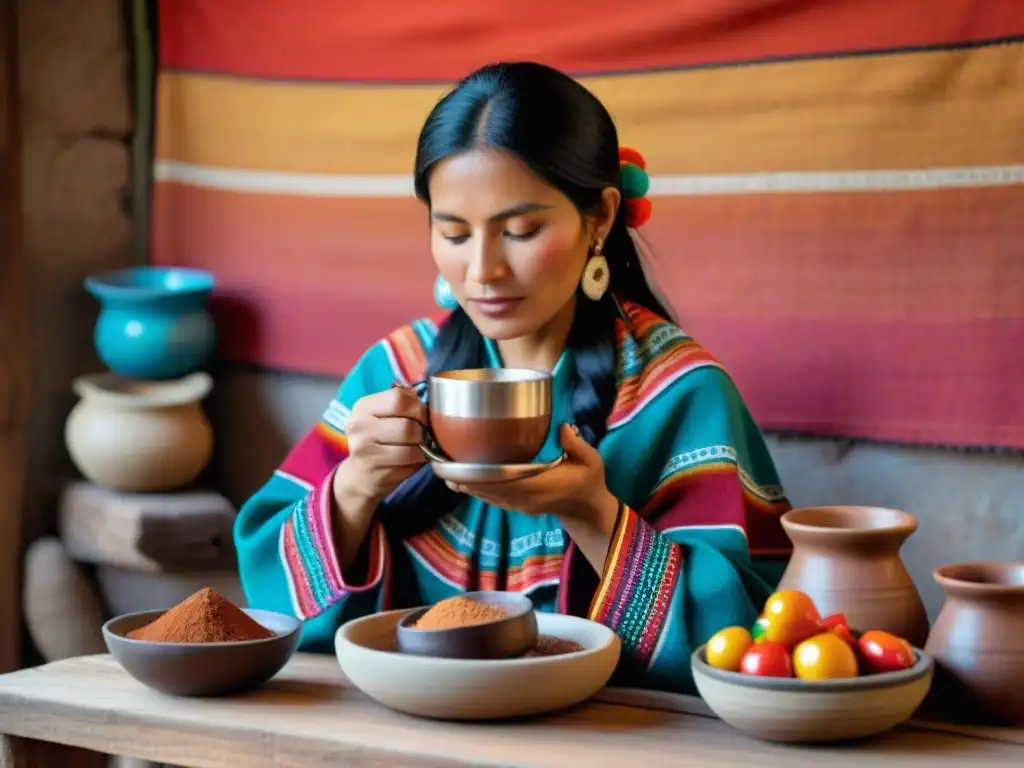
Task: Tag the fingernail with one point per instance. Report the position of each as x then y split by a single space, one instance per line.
575 429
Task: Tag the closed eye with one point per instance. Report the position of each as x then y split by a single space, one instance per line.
524 236
456 239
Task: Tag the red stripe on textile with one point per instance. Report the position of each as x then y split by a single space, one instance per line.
394 40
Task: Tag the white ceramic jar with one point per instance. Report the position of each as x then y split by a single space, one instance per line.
140 436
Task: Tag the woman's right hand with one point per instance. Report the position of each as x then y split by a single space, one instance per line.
384 432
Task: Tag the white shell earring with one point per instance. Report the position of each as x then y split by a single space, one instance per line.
596 275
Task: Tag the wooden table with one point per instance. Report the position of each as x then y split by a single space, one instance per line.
310 716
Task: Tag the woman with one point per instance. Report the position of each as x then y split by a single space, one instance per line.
645 526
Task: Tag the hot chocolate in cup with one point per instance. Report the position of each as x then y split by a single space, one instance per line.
490 415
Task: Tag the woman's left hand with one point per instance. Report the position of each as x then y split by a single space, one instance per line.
575 490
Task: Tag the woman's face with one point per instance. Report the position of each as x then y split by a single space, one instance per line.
511 246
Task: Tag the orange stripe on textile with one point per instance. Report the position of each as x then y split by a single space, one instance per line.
853 114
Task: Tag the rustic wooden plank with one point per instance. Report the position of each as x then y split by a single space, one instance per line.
188 532
14 347
28 753
311 716
694 705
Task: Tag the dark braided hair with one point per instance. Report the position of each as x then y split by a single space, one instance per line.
566 136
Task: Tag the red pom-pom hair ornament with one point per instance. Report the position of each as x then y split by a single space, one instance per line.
638 211
630 155
634 182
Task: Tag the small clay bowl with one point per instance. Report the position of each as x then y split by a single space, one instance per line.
202 669
490 415
502 639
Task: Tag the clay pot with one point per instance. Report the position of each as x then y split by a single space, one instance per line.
153 321
978 642
140 437
490 415
848 560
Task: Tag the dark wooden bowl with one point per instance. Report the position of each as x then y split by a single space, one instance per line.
202 669
502 639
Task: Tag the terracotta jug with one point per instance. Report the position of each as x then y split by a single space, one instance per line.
978 642
848 560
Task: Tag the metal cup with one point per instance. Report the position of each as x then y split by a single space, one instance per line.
490 415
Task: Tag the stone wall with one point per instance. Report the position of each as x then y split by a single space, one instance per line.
76 128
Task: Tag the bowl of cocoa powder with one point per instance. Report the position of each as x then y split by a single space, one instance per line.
204 646
476 625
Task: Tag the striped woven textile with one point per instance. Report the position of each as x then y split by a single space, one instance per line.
838 184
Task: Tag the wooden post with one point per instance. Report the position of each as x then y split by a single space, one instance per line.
14 346
27 753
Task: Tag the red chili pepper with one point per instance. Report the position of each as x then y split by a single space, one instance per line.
835 620
884 652
843 631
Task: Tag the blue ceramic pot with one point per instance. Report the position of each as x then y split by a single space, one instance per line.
154 322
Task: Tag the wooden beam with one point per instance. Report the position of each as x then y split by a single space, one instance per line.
14 345
26 753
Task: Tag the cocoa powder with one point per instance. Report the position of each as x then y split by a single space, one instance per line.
205 617
552 646
460 612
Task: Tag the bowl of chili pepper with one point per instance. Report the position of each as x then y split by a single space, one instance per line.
799 676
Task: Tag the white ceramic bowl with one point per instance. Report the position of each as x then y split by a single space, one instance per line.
460 689
793 710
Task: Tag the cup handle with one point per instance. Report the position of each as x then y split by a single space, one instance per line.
431 454
430 447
